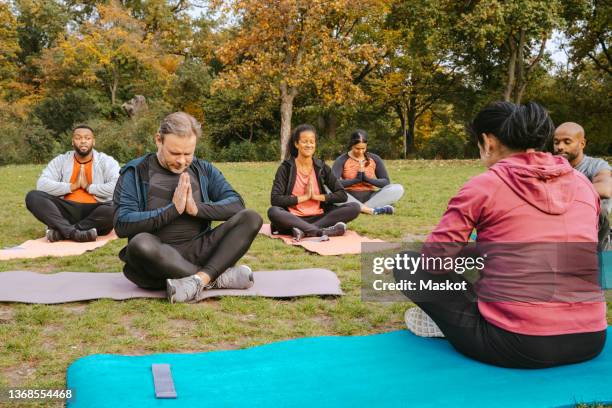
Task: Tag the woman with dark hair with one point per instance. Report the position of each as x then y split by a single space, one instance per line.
300 206
537 302
364 177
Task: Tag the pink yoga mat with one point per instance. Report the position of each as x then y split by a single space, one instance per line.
62 287
349 243
35 248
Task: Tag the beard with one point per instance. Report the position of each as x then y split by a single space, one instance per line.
82 151
570 156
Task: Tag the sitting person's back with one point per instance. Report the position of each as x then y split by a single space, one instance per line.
537 302
533 200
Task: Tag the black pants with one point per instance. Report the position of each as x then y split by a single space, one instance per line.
149 262
604 234
458 316
66 216
283 220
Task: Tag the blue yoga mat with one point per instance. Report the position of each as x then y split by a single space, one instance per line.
394 369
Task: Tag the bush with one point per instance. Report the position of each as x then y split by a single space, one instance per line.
25 141
247 151
446 142
129 138
59 113
42 146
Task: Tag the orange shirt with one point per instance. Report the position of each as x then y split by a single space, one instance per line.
351 167
310 207
80 195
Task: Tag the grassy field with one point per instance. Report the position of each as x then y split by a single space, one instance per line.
38 342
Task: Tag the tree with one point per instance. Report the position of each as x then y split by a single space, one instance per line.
417 70
286 45
589 31
512 34
9 49
41 24
113 52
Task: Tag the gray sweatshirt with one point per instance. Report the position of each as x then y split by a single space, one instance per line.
55 178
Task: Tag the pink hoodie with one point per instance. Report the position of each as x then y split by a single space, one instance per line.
529 198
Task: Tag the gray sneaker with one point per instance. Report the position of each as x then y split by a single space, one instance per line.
236 277
184 289
337 230
421 324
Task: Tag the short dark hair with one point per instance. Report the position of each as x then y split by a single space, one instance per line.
295 137
518 127
83 126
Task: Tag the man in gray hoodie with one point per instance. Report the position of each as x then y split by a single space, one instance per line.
74 193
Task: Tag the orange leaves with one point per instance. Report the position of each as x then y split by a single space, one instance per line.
296 43
108 51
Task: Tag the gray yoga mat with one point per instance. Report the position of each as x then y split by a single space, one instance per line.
62 287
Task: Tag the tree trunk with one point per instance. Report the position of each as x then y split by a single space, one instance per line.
411 117
113 88
331 124
286 109
403 117
520 81
511 69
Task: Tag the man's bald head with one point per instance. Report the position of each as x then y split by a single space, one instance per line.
570 129
569 142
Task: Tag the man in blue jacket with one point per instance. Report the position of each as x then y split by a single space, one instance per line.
164 204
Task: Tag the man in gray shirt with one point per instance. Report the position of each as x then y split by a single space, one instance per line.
74 193
569 142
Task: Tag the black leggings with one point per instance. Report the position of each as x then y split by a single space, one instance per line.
283 220
458 316
66 216
149 262
603 232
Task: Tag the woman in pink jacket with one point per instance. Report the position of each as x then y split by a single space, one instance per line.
537 302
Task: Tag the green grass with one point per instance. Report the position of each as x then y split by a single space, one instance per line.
38 342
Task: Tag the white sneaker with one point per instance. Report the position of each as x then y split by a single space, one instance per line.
421 324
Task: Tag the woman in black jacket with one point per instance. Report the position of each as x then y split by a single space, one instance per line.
300 204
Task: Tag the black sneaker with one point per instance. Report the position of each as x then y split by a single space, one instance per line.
336 231
53 235
84 236
297 233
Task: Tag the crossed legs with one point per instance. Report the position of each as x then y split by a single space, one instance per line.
149 262
68 216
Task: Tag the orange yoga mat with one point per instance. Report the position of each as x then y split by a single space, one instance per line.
349 243
35 248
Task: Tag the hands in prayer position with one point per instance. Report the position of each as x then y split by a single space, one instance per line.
183 196
310 195
81 180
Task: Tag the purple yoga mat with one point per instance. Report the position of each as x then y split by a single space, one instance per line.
62 287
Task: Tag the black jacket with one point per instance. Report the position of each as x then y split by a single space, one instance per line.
285 180
382 177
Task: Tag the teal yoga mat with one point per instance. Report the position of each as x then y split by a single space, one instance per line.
394 369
